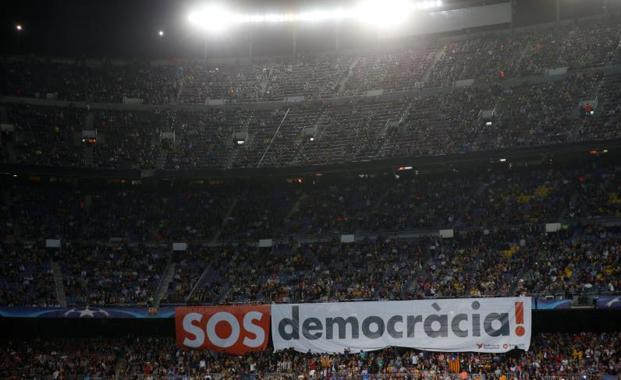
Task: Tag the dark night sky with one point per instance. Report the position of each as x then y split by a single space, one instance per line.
92 28
128 28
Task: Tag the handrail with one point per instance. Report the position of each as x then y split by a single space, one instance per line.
175 304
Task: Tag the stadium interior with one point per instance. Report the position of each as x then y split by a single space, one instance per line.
334 155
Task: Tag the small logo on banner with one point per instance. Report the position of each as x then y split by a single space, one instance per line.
231 329
87 312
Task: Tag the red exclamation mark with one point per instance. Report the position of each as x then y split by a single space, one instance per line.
519 318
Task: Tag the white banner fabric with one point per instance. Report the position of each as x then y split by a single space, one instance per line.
452 325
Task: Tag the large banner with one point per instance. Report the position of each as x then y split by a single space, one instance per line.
456 325
232 329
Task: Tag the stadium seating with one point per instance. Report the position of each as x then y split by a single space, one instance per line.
72 129
499 217
429 63
527 107
355 131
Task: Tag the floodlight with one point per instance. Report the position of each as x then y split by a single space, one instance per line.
212 18
429 4
160 33
385 14
19 27
325 15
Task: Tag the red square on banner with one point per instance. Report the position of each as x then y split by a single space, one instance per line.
232 329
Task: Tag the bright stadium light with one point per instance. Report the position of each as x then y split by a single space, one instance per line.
428 4
319 16
160 33
19 28
385 14
308 16
213 18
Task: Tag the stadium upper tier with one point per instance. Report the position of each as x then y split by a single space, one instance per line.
459 120
429 62
413 102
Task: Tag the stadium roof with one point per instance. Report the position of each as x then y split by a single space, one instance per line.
131 28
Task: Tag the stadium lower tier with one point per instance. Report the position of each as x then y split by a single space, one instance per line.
535 230
552 356
579 260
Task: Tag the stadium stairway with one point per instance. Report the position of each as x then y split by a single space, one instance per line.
59 284
607 114
343 81
208 272
190 92
296 206
204 290
471 204
162 158
229 211
87 156
267 148
391 126
227 287
436 58
203 285
179 92
308 151
264 84
164 284
235 150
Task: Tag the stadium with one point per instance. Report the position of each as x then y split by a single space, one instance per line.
285 189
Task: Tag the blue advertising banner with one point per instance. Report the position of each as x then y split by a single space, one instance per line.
550 304
136 312
608 302
125 312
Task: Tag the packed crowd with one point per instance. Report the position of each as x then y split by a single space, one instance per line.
491 57
117 238
79 80
26 276
500 263
111 274
551 356
246 211
459 121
